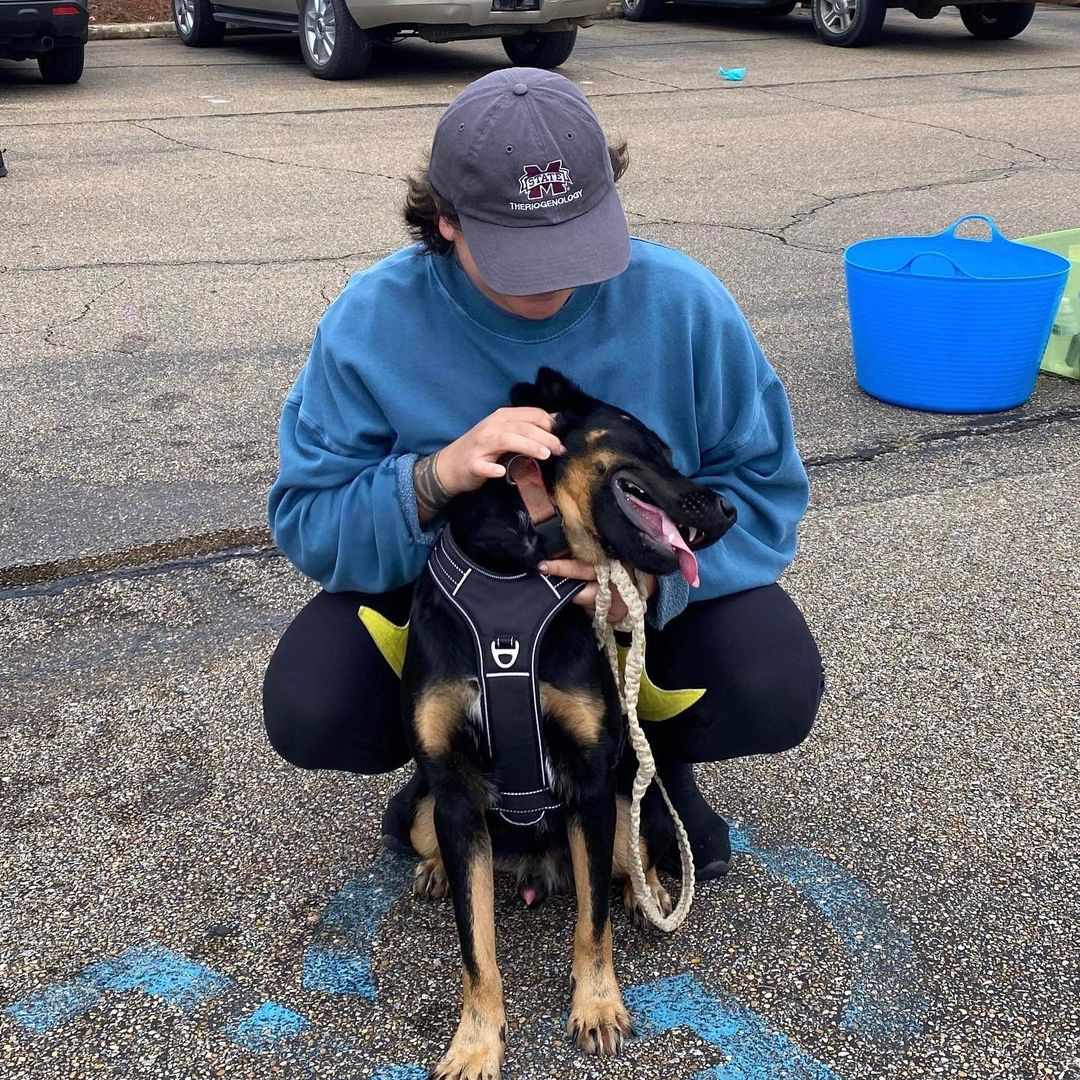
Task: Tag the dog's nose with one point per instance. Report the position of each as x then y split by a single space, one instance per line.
727 510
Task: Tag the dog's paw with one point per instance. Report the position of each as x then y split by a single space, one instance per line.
472 1059
635 910
599 1025
429 880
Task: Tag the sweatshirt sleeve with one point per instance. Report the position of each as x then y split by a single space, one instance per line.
748 455
343 509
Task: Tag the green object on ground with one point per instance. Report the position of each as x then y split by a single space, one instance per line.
1062 355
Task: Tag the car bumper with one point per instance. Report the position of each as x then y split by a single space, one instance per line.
34 28
470 13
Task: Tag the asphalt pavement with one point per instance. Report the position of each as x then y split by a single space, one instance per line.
176 902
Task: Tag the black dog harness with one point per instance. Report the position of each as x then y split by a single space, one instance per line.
508 615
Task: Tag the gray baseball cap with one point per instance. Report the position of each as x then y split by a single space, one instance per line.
520 156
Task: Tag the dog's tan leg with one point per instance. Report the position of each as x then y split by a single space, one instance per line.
476 1052
429 878
620 868
598 1019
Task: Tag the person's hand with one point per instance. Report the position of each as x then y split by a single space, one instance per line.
467 462
474 458
582 571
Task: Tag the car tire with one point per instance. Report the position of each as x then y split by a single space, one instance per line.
642 10
848 23
334 47
778 10
995 22
62 65
195 23
539 50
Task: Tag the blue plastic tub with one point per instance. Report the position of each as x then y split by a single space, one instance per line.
951 324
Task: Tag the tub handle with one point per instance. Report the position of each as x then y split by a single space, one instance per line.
996 235
933 270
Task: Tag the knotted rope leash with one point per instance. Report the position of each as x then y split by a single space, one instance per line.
634 596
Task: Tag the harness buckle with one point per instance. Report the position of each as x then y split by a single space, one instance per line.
504 651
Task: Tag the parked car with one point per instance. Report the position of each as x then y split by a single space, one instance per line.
53 33
859 22
337 37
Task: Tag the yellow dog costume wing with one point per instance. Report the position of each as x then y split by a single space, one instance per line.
654 704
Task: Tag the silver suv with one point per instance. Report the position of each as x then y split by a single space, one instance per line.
337 37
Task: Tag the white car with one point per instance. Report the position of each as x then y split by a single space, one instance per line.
337 37
859 22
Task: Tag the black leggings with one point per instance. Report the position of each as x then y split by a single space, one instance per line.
331 701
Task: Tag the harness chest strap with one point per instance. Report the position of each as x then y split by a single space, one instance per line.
508 615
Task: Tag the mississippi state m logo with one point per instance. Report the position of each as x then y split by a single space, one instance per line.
551 179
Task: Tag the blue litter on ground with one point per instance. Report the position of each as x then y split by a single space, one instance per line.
732 74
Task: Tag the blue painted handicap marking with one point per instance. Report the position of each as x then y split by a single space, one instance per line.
262 1029
884 1003
339 961
168 976
755 1052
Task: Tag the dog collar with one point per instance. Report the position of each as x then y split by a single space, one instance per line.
524 474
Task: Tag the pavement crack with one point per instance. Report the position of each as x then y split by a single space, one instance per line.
757 230
142 558
51 329
144 125
774 92
637 78
327 300
987 426
801 217
783 232
299 260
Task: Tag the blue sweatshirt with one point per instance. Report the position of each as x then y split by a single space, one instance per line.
411 355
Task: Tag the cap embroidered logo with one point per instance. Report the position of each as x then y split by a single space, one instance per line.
539 182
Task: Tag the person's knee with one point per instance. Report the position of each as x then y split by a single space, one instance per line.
778 711
297 728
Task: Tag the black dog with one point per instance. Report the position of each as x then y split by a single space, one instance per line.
619 497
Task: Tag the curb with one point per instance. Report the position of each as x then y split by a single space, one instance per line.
113 31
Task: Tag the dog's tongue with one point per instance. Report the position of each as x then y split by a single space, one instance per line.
529 895
661 527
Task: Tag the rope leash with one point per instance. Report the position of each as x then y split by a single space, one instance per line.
629 683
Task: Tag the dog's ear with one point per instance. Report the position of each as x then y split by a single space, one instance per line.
554 393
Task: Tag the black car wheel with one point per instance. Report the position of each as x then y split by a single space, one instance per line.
62 65
996 21
538 50
642 10
334 47
848 22
195 23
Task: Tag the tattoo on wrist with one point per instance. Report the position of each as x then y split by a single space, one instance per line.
431 496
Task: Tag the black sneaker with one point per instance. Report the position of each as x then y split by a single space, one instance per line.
708 831
398 816
3 167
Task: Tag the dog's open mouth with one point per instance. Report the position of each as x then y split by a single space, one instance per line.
656 526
